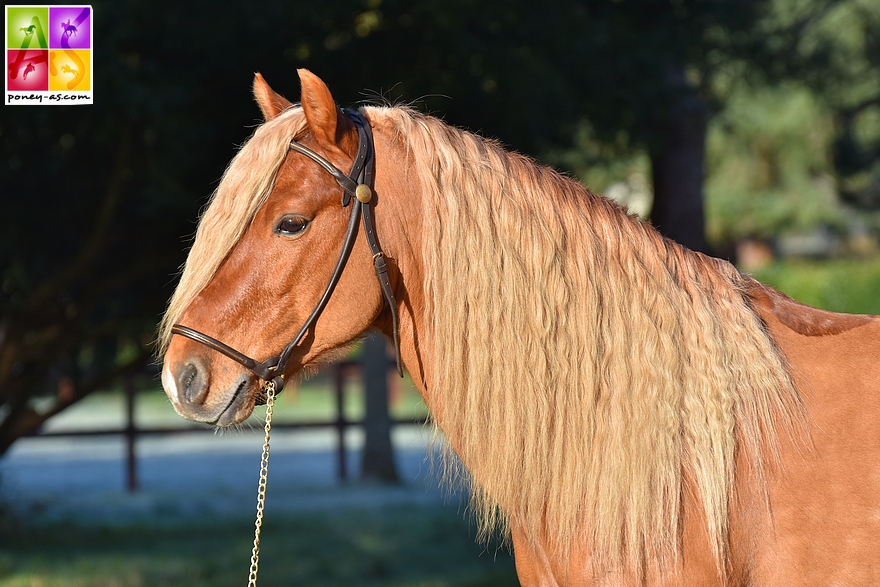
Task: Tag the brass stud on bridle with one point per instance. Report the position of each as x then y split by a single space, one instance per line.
363 193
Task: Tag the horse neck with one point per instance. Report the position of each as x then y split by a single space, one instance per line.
399 226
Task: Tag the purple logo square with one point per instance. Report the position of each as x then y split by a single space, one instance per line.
70 27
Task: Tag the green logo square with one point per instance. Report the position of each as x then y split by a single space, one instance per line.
26 27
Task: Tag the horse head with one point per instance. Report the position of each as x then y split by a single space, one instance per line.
283 246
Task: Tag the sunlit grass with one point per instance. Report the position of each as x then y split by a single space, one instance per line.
313 400
403 546
851 286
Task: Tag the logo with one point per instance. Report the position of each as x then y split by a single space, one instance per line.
49 55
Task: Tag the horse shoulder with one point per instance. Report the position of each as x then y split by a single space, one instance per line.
825 496
540 563
825 350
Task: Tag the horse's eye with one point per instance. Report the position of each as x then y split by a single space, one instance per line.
291 225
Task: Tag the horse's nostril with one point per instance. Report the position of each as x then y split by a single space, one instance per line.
192 384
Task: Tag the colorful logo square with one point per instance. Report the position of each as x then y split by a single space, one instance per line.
49 54
26 27
70 27
68 70
27 70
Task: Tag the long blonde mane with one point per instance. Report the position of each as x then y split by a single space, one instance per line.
584 364
244 188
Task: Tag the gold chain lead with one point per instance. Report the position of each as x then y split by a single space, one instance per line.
270 390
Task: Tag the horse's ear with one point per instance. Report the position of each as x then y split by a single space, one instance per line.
322 113
271 103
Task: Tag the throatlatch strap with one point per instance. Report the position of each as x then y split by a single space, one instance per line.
381 267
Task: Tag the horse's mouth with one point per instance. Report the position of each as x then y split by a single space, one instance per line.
237 409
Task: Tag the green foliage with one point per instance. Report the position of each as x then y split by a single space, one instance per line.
786 156
834 49
770 166
851 286
404 546
796 132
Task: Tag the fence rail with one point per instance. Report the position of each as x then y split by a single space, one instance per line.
131 431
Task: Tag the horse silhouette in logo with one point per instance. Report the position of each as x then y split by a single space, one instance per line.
68 69
69 29
30 67
28 31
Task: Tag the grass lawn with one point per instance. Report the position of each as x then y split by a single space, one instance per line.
404 546
851 285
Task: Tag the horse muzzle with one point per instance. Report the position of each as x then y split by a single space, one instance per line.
188 384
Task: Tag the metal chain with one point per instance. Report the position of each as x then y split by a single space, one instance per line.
269 390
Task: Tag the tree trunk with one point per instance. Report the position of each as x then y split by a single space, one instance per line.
378 463
677 170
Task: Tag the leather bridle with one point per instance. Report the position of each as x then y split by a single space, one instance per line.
357 191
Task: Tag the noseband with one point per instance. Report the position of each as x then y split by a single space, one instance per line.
357 191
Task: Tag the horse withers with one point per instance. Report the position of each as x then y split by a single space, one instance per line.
629 411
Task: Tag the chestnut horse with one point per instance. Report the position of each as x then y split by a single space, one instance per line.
629 411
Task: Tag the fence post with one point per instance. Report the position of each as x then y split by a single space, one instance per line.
130 435
378 455
339 377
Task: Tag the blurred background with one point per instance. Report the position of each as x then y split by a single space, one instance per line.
749 130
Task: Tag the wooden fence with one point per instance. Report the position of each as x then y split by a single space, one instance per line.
131 431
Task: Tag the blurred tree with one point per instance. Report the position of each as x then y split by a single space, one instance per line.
803 126
770 166
96 200
638 72
846 45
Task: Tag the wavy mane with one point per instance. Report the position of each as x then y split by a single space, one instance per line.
584 365
244 188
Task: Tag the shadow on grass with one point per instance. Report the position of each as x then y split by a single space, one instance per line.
405 546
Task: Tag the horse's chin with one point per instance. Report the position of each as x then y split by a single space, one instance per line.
240 405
